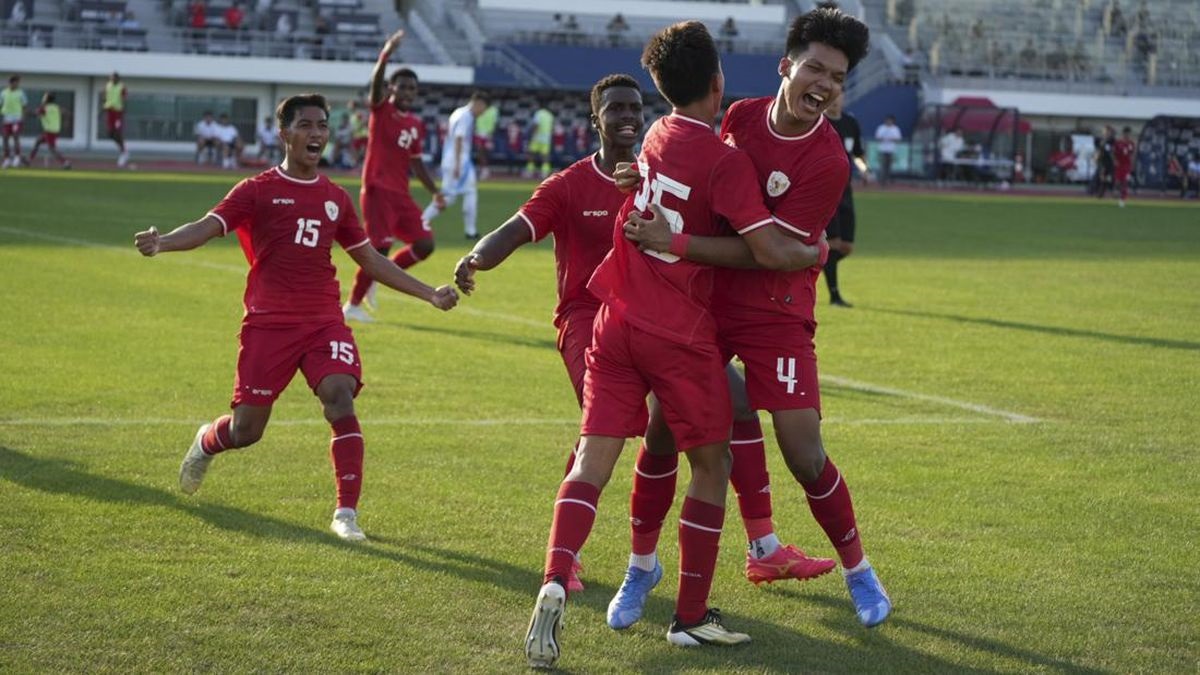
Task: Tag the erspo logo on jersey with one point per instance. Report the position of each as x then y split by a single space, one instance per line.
598 214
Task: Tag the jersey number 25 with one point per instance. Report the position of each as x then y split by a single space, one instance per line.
653 187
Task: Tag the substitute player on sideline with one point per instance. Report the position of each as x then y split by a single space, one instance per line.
766 317
50 116
458 171
13 103
394 139
115 94
654 333
287 219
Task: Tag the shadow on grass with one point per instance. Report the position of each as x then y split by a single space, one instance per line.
487 337
1047 330
774 645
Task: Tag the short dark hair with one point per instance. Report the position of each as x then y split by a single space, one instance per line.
682 58
1127 130
50 97
288 107
830 26
14 78
404 72
481 95
608 82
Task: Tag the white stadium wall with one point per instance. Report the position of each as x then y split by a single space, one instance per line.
1139 108
263 79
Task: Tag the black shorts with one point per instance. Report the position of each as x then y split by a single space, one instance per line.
841 226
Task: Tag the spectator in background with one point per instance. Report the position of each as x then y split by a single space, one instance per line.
283 24
206 139
198 20
129 21
617 28
1028 56
322 28
949 145
1192 181
887 135
729 33
571 28
1124 150
234 16
268 140
230 143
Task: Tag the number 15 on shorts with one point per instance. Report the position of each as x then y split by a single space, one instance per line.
341 351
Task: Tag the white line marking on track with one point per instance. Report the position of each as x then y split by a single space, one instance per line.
1008 416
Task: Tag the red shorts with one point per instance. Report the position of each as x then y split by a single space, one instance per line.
51 140
483 143
116 120
781 363
574 338
625 363
269 356
391 216
1121 173
12 128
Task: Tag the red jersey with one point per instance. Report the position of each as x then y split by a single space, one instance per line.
801 179
577 205
287 227
393 138
1123 154
703 186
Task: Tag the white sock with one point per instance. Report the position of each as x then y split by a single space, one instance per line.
764 546
344 512
470 210
862 565
643 562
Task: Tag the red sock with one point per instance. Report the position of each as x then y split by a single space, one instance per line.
699 541
653 491
829 500
407 257
362 283
750 479
218 437
574 513
346 451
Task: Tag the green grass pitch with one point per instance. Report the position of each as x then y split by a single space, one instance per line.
1013 401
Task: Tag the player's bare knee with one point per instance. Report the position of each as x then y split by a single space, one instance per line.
246 432
806 462
423 248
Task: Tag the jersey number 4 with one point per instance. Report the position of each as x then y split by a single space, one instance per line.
653 187
307 233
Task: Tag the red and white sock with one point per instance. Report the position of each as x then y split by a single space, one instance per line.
362 283
700 526
218 438
829 500
346 452
574 514
752 484
407 257
654 478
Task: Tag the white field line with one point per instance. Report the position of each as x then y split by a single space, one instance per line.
1006 415
418 422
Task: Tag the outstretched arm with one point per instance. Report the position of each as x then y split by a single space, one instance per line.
183 238
422 173
377 75
389 274
766 247
491 251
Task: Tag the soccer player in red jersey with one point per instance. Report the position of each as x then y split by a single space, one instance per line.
287 219
766 317
394 139
577 206
1124 151
654 333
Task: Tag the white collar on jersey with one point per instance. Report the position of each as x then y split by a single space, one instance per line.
600 172
776 134
693 120
301 181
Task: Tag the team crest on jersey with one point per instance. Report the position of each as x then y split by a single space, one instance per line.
777 183
331 210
